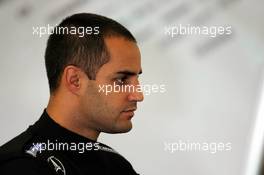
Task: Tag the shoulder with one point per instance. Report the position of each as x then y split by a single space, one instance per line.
24 165
14 159
14 147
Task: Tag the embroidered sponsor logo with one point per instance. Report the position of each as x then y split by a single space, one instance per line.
34 149
58 166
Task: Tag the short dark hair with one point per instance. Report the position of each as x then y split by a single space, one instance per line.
88 52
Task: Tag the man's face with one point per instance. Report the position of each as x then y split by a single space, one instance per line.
111 112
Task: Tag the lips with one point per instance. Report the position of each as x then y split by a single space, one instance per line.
129 112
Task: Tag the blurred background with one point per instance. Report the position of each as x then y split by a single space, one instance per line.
214 85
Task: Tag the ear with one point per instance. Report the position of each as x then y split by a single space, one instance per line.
72 75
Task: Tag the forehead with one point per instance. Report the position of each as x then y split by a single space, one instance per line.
124 55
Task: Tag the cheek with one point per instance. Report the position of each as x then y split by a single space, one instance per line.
117 100
105 106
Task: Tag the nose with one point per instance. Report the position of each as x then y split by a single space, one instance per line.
137 94
136 97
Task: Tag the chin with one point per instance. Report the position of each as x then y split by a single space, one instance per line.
122 129
126 130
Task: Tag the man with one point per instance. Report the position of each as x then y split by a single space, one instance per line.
82 69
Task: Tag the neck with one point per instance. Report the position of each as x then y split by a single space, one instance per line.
62 113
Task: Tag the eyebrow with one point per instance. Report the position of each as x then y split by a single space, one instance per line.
129 73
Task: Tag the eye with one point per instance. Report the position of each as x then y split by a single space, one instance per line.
121 80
